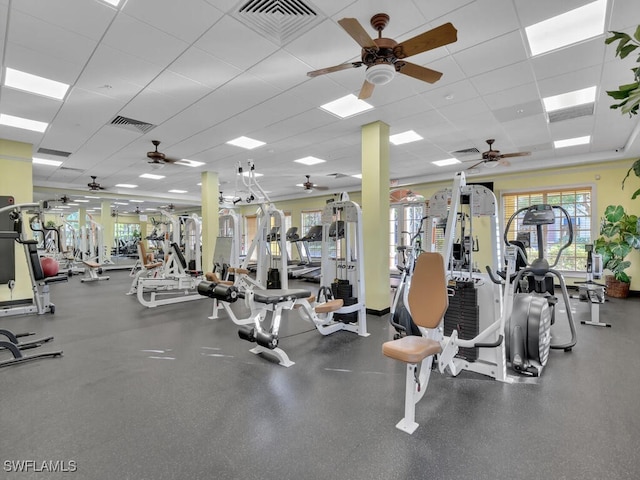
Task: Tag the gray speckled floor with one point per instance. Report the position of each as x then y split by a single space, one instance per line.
206 408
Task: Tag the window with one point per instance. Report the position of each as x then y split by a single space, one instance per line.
309 219
576 201
405 222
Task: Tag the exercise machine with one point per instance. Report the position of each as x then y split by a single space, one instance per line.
40 302
591 291
531 314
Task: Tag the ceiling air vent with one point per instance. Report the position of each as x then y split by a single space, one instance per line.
278 20
131 124
571 112
49 151
466 153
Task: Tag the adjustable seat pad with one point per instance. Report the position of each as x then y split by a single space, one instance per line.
279 295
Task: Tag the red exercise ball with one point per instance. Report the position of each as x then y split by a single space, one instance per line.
50 267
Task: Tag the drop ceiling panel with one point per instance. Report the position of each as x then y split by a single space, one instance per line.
20 135
528 130
37 63
439 12
523 94
26 105
82 114
569 59
126 74
624 16
482 58
204 68
49 39
534 12
281 70
497 80
405 19
243 48
184 20
143 41
95 16
107 143
482 21
576 80
443 97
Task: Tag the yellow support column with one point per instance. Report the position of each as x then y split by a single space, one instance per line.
107 222
375 215
16 180
210 225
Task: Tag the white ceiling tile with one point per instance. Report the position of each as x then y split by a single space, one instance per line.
48 39
27 105
95 16
144 41
456 93
204 68
405 19
569 59
571 81
37 63
281 69
499 79
186 19
534 12
235 44
433 10
482 21
624 16
482 58
513 96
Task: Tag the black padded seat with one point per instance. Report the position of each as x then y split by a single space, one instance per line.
279 295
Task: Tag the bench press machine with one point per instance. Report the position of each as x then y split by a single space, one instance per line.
93 272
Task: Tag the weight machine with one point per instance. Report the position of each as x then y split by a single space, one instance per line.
591 291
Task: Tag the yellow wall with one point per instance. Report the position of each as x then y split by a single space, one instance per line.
16 180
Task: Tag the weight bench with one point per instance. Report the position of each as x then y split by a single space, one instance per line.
274 301
94 270
427 303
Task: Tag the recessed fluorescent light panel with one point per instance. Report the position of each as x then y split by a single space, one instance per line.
46 161
446 161
126 185
346 106
246 142
189 163
177 191
136 201
357 175
570 142
35 84
568 28
309 160
19 122
115 3
120 203
152 176
79 200
570 99
404 137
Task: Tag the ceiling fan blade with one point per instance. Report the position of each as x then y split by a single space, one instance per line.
357 32
516 154
421 73
476 164
439 36
336 68
366 90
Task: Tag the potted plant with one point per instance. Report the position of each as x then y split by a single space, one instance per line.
619 235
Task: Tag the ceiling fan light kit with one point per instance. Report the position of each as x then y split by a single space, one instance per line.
380 74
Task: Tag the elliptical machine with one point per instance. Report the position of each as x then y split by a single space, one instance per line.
528 327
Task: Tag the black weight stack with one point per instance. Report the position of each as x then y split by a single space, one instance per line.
463 316
344 290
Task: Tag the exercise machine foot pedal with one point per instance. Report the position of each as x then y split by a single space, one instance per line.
247 333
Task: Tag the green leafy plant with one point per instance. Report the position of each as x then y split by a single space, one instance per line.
629 94
636 169
618 236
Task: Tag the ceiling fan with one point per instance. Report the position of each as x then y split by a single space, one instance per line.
159 158
64 199
94 186
309 186
492 158
383 57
